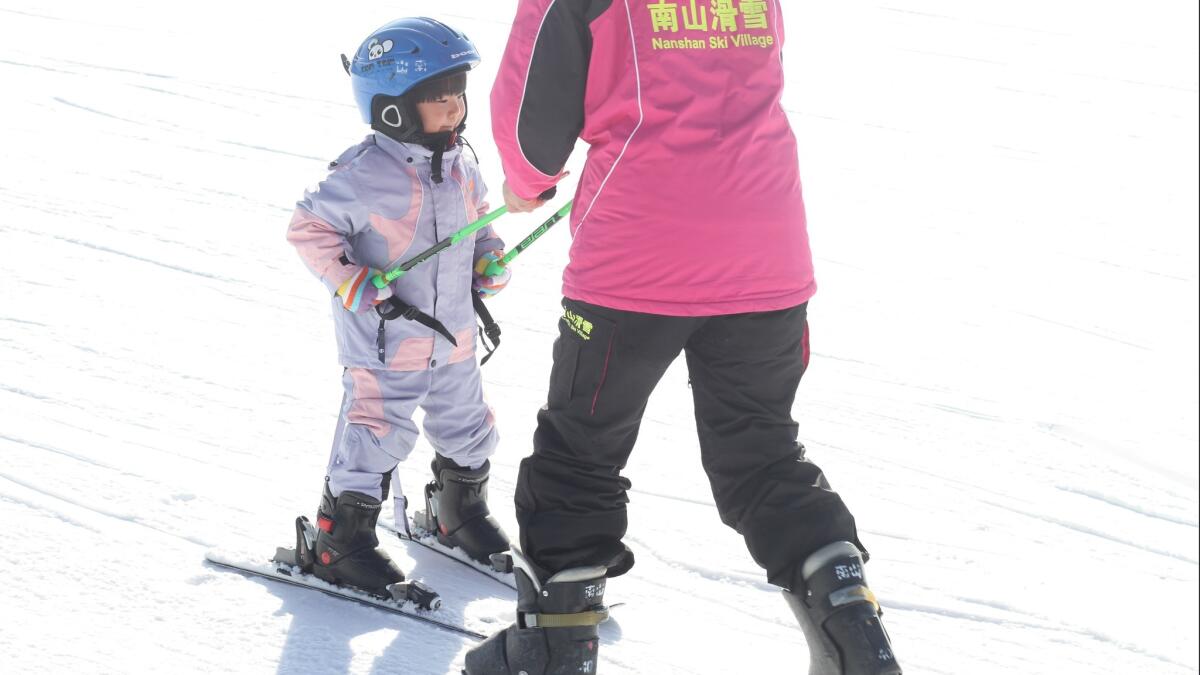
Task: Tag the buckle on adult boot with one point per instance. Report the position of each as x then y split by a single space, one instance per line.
853 594
572 598
557 623
840 615
833 578
592 617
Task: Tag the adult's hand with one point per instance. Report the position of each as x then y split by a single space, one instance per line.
518 204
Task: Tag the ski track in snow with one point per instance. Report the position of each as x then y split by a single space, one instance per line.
1094 533
142 259
59 451
1004 383
1089 635
49 512
1142 511
128 517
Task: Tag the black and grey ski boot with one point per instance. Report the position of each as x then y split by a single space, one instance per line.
456 509
347 551
840 616
557 629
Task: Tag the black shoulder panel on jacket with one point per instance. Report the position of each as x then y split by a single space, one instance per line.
552 109
595 8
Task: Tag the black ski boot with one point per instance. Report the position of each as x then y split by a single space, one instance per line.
840 615
456 509
347 551
557 628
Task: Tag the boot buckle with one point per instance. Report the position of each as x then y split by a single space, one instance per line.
416 592
501 562
592 617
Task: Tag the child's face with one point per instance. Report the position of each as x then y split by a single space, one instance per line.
442 114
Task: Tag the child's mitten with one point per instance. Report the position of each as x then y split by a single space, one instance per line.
359 294
485 284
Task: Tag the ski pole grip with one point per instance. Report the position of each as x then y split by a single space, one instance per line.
549 194
380 281
494 269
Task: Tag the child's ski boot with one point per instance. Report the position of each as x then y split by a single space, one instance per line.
557 628
456 510
346 551
840 616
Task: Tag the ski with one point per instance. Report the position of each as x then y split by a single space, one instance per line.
428 540
278 570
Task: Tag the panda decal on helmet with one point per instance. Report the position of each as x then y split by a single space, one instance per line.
376 49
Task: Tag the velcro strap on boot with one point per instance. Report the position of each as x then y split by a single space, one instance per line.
593 617
851 595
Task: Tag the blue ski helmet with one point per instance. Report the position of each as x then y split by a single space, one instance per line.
404 53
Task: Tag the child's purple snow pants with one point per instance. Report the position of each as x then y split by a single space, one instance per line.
376 430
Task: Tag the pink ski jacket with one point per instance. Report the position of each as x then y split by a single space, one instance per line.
690 202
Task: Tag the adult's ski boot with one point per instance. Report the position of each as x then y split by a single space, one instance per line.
456 510
557 628
346 551
840 616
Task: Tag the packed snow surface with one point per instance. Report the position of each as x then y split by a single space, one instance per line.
1003 207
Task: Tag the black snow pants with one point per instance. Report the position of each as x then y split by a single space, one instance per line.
744 371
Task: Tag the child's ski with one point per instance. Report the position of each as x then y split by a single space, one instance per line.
278 569
426 539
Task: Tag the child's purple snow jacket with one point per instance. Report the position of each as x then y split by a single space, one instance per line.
378 207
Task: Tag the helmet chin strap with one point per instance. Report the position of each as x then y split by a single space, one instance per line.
391 122
439 143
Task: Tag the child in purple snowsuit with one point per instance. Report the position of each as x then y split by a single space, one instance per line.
393 195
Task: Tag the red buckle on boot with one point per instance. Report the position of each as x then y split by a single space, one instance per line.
325 524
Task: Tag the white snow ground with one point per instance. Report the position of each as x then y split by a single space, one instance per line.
1003 205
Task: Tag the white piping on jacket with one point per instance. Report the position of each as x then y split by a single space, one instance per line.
641 118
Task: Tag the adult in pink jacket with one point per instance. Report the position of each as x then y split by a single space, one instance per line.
688 236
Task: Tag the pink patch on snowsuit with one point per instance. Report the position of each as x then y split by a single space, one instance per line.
367 408
466 345
320 246
399 232
412 354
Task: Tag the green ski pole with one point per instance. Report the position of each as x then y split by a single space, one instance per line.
384 279
496 267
